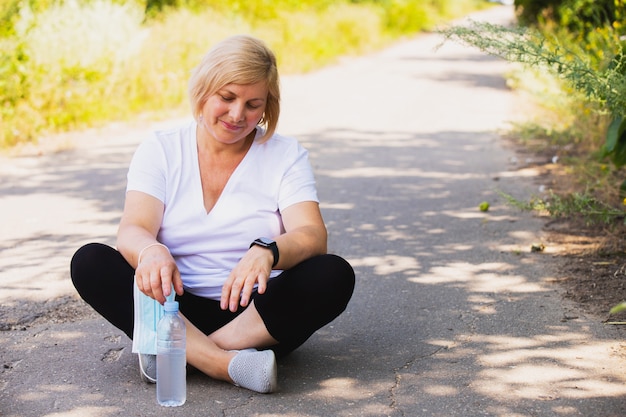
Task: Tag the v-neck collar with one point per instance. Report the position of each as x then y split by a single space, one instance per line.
233 179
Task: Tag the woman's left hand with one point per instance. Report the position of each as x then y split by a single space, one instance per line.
305 236
254 268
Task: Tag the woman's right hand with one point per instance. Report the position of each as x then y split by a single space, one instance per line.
156 273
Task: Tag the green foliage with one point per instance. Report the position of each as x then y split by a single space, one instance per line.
615 145
584 16
154 7
577 16
407 16
66 64
530 12
347 31
576 205
618 308
10 12
62 65
253 11
599 77
580 44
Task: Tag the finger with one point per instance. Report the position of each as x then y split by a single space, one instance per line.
178 282
139 282
262 284
166 280
235 293
145 285
226 293
155 286
247 292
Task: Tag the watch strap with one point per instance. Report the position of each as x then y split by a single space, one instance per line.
269 244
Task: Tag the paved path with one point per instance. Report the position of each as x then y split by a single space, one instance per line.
452 315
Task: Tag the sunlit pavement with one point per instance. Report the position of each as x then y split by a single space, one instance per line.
452 314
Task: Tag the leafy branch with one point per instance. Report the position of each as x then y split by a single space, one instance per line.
583 205
530 47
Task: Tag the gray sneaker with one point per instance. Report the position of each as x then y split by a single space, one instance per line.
147 368
254 370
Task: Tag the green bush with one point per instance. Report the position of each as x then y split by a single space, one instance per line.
66 64
584 52
577 16
531 12
63 65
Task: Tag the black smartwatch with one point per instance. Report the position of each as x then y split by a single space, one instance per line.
269 244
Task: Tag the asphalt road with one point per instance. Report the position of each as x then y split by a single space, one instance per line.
452 314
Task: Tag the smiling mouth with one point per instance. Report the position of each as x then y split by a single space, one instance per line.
230 126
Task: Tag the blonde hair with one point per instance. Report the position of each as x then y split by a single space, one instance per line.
243 60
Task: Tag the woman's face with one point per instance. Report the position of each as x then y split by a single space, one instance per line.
230 114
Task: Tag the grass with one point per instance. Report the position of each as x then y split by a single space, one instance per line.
78 64
559 123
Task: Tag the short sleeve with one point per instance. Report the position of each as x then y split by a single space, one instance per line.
147 170
298 182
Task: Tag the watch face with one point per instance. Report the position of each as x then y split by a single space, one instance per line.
265 240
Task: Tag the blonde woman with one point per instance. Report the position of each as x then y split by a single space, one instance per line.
224 212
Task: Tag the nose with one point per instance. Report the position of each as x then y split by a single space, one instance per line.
237 111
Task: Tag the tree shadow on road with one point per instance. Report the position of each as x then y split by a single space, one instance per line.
452 314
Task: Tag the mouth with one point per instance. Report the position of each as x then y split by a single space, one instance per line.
229 126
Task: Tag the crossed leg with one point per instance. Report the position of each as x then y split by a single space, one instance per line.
323 284
213 353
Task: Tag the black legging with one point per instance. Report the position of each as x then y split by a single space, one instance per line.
295 305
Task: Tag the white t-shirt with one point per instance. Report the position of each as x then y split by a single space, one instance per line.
206 246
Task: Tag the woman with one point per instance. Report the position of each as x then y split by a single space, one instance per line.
224 211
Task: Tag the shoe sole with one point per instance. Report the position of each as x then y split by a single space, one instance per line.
143 375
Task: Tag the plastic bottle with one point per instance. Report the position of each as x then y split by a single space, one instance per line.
171 361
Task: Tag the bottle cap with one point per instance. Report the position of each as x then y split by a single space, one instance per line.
171 306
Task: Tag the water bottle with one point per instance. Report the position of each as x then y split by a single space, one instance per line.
171 361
